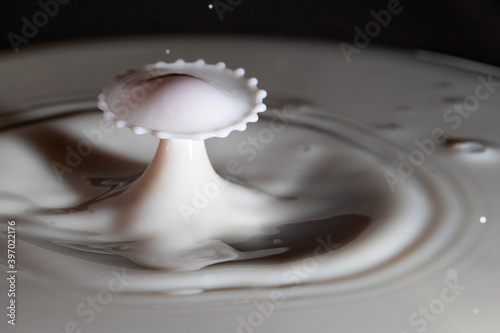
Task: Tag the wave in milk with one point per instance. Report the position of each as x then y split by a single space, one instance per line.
295 185
181 214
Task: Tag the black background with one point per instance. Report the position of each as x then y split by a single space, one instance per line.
465 28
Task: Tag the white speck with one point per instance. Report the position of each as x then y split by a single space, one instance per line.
475 311
276 241
167 51
483 219
210 6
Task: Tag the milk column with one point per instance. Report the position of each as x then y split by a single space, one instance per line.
180 204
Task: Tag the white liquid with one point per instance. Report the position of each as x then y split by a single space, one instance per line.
183 104
405 246
307 198
183 100
181 215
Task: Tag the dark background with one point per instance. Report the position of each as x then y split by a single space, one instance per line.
465 28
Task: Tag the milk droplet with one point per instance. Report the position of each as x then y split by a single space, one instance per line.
475 311
167 51
210 6
483 219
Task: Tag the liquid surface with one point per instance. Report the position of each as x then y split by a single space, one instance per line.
379 245
250 214
304 182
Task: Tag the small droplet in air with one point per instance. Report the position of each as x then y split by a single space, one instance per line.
475 311
210 6
167 51
483 219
